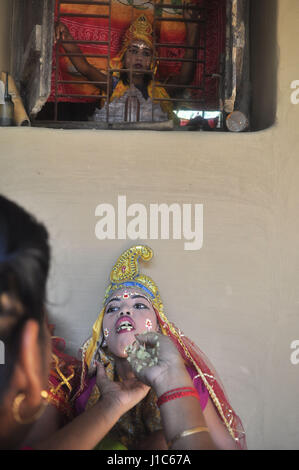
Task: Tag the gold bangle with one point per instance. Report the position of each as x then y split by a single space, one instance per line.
186 433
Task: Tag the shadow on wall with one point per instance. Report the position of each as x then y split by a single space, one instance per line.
264 63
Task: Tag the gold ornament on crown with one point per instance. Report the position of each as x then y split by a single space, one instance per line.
126 270
141 29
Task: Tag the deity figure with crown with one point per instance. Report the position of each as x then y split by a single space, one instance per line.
134 94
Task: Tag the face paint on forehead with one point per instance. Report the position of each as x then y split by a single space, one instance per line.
127 295
140 45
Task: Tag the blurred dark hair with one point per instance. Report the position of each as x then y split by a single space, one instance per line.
24 268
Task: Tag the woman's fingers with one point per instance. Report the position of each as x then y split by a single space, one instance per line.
149 339
58 31
102 378
191 11
61 32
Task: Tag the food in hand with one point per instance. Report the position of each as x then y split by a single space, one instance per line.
140 355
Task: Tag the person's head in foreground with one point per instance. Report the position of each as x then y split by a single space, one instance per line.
24 337
133 306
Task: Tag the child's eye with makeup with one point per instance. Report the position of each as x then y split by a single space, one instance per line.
112 308
140 306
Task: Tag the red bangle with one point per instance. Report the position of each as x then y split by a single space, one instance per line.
176 393
179 390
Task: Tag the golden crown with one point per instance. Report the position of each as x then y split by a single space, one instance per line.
125 273
140 29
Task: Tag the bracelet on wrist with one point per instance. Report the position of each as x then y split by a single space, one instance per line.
177 393
187 432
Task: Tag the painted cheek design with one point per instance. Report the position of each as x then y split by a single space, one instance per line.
106 332
148 324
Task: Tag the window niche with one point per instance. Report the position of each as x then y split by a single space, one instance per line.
263 63
221 83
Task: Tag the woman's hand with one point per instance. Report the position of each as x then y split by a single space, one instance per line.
153 358
62 32
122 395
191 12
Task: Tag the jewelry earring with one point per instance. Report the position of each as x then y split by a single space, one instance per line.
106 334
16 408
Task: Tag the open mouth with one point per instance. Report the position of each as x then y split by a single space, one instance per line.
124 325
138 67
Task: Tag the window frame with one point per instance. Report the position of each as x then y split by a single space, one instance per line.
234 88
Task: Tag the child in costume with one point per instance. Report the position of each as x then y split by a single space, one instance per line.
132 94
132 305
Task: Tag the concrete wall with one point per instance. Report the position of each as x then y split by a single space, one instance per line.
237 297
